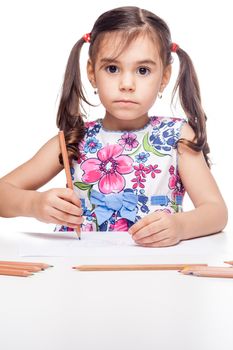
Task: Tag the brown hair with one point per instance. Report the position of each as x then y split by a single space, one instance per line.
131 21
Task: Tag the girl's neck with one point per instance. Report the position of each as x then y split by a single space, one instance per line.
114 124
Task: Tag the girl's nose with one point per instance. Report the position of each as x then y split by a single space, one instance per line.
127 82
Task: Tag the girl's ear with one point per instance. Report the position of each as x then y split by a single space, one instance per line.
91 73
166 77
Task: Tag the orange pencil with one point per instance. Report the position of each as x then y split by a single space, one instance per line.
29 268
142 267
43 266
67 169
190 269
14 272
212 273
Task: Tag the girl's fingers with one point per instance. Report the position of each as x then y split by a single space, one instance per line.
163 243
65 200
67 207
145 222
153 238
59 217
148 230
62 223
69 195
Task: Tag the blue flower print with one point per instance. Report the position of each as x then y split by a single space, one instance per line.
142 199
164 136
86 211
142 157
88 214
72 171
92 145
103 226
91 131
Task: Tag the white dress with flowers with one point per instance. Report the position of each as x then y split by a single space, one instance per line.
122 176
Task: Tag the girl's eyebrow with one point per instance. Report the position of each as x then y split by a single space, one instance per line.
109 60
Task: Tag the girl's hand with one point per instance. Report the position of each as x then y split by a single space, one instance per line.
58 206
158 229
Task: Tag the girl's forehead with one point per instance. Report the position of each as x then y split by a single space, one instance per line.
116 43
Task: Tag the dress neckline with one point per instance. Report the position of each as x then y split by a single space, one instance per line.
100 121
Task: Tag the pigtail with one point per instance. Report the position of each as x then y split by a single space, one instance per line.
189 93
69 116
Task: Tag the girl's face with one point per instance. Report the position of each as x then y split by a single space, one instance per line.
128 85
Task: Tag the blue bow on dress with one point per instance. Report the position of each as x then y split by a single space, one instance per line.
107 204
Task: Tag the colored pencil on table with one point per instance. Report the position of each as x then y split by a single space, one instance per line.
67 169
189 269
229 262
213 273
133 267
43 266
21 268
29 268
15 272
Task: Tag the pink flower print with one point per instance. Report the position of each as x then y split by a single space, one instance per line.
175 184
120 225
81 158
153 170
139 176
90 124
171 170
172 182
82 154
138 181
107 169
87 227
173 179
155 121
140 170
128 141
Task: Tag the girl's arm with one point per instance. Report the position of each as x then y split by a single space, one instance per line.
210 213
209 216
19 196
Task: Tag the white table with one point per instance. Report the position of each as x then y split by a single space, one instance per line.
61 308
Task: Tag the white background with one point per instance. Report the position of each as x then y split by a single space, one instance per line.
37 36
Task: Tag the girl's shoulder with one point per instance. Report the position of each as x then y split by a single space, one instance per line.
167 125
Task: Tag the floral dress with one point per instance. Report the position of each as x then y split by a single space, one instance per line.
123 176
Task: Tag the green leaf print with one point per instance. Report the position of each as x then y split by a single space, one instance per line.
82 186
151 149
135 152
175 207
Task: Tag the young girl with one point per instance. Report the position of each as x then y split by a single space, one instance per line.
130 170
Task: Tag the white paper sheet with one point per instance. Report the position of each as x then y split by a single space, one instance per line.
108 244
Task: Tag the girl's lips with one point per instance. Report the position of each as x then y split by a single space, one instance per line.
125 102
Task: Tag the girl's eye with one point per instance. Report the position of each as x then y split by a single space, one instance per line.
112 69
143 71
